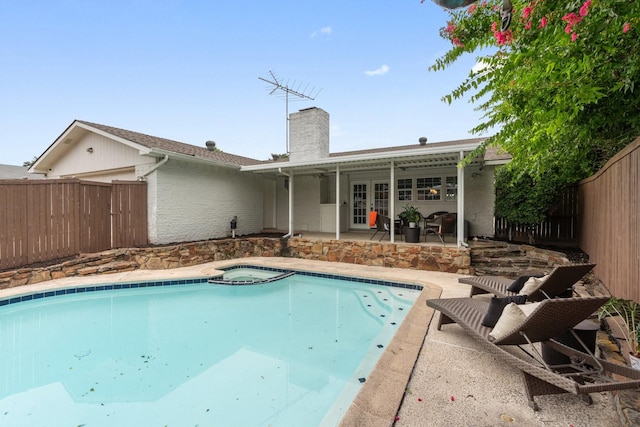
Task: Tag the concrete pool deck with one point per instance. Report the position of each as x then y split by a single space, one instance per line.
435 378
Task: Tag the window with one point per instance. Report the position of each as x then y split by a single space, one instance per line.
452 188
429 188
405 189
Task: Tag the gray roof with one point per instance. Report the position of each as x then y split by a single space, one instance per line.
173 146
438 154
406 156
407 147
13 172
491 153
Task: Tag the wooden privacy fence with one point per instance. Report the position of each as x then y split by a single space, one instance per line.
43 220
610 222
559 228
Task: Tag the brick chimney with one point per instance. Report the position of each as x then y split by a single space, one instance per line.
308 135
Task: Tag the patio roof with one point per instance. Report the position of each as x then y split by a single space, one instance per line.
441 154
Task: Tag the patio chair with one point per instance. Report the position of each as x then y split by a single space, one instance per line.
430 226
446 224
382 225
519 346
561 279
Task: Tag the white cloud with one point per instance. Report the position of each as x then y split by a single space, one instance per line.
324 31
480 66
379 72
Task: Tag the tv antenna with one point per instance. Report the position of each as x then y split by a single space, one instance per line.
294 89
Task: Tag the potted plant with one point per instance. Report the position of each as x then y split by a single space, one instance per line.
625 314
411 215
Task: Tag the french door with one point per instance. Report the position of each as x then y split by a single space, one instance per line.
367 196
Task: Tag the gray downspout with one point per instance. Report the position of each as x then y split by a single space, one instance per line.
164 160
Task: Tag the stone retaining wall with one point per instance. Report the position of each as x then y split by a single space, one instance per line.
384 254
481 258
489 257
400 255
153 258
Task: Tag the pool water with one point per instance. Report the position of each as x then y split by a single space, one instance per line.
293 352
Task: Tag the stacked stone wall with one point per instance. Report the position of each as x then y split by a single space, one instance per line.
383 254
152 258
402 255
482 258
497 258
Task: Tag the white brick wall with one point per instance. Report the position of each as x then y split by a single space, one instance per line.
189 201
308 135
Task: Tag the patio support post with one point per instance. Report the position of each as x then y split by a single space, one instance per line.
338 202
392 199
460 216
291 204
290 178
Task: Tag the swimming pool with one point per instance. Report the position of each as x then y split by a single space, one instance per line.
291 352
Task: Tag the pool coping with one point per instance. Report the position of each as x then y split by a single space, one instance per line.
381 396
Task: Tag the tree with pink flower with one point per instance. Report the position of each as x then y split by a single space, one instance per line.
560 88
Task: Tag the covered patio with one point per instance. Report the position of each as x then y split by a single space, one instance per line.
331 195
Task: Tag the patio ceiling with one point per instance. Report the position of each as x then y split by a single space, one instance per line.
404 158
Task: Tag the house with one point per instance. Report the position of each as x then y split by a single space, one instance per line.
195 192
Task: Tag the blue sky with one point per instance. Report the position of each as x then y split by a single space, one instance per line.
189 71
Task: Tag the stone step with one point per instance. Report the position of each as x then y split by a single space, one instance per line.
512 272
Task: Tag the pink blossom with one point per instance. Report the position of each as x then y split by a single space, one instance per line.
526 12
503 37
450 28
574 37
584 10
527 26
571 18
472 8
457 42
543 22
626 27
494 27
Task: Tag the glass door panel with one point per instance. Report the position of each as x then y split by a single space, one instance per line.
381 198
359 203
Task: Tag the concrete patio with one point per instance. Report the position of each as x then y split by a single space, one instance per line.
368 235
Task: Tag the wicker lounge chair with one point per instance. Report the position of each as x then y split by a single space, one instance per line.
583 375
558 281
